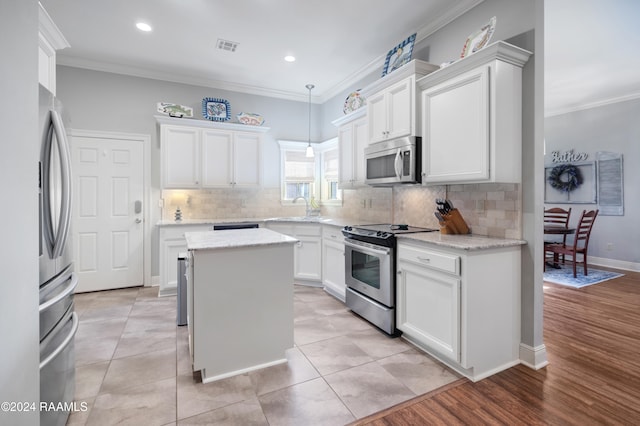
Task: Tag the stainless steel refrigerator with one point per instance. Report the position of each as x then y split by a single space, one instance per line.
58 320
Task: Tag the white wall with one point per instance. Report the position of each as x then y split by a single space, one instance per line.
19 152
613 128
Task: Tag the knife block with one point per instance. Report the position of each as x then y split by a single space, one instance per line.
453 223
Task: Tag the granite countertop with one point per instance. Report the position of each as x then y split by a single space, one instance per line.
462 242
297 219
235 238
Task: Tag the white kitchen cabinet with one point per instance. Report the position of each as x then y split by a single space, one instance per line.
230 159
307 253
206 154
392 110
172 243
472 118
461 306
50 40
353 137
180 147
333 266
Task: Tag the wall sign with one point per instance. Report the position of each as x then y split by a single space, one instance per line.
568 156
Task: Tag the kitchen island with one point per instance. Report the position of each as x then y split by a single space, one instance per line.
240 300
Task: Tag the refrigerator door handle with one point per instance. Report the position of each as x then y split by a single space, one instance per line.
64 344
73 282
65 171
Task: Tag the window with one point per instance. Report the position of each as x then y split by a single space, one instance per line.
310 177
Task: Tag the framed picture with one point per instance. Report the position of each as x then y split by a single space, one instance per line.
570 183
399 55
216 109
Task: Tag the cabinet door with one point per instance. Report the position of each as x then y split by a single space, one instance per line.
345 151
217 151
333 266
360 141
308 258
456 129
428 308
400 109
180 157
246 160
377 117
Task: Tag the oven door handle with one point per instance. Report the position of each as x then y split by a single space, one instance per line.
367 248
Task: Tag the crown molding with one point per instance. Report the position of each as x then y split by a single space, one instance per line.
590 105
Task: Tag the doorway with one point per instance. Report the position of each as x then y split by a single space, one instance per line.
110 209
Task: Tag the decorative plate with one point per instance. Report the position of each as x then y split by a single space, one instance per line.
250 118
479 39
353 102
399 55
216 109
175 110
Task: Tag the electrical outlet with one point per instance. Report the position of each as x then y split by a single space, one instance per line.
479 205
609 246
161 202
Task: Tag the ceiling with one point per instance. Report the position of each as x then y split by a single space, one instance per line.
588 61
334 41
591 53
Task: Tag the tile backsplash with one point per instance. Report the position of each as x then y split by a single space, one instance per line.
488 209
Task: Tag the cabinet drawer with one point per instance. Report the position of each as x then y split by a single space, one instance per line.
333 233
432 259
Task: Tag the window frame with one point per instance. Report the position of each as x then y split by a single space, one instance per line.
316 187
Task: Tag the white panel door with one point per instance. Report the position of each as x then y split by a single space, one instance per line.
107 222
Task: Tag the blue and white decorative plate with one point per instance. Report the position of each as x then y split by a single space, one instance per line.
354 101
399 55
216 109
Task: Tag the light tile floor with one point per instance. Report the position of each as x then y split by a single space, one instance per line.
132 367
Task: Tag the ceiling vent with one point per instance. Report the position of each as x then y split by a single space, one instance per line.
227 45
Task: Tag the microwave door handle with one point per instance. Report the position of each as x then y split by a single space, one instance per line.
397 164
65 170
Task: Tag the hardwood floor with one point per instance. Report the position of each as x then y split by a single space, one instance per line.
592 337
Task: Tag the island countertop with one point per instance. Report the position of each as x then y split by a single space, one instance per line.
235 238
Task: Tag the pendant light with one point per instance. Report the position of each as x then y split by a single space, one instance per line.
309 147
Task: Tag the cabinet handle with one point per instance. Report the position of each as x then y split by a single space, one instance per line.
424 259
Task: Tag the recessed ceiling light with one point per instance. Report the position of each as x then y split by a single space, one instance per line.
143 27
289 58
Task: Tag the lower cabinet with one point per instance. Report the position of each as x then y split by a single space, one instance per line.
172 243
333 261
307 252
461 306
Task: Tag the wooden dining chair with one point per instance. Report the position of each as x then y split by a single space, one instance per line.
580 241
560 217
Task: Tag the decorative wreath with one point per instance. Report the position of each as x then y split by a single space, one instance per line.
574 177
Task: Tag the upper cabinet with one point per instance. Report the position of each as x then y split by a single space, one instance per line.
50 39
202 154
392 111
352 139
472 118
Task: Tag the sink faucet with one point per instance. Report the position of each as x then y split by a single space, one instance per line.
306 203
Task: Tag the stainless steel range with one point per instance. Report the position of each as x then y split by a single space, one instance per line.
370 271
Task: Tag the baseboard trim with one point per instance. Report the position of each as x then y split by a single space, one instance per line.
534 358
613 263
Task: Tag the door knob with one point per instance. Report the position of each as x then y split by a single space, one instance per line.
138 220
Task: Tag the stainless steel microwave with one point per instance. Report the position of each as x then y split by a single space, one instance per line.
393 162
